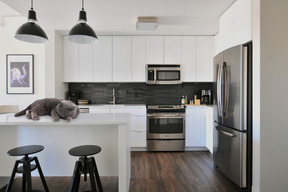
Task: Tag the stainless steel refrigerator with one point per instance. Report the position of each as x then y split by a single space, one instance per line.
232 133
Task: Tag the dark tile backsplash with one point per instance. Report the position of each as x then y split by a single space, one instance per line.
137 93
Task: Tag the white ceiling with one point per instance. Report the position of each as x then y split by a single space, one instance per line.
119 17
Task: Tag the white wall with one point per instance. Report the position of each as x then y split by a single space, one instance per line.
9 45
256 95
273 87
53 51
47 64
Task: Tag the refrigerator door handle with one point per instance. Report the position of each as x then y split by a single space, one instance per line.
226 89
225 132
245 87
219 90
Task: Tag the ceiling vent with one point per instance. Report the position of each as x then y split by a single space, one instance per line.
147 24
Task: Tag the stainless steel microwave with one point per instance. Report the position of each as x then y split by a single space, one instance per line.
163 74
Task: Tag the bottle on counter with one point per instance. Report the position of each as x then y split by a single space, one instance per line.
183 100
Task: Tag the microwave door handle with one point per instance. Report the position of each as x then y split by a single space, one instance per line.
226 88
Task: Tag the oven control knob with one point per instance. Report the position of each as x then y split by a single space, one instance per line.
166 135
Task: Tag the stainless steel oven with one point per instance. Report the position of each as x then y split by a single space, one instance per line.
165 128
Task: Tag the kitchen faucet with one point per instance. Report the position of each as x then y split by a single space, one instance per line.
114 97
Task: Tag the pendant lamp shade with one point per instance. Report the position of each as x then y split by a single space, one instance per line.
82 33
31 32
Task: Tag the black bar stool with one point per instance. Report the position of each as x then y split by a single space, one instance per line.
85 165
27 167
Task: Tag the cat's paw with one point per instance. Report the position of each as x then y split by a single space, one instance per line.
68 119
56 119
34 116
28 114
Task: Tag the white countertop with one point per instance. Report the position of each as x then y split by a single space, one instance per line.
82 119
116 106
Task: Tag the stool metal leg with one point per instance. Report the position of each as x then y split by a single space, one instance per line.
41 174
23 182
77 182
76 177
8 189
27 171
97 175
91 173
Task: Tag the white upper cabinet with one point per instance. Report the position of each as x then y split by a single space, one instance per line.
138 58
234 26
122 58
85 63
172 49
70 61
154 50
242 31
188 58
204 59
102 59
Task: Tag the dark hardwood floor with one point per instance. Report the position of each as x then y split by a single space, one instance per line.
155 172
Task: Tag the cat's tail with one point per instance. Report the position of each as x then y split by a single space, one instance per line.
20 113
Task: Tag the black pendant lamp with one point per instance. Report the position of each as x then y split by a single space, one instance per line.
31 32
82 33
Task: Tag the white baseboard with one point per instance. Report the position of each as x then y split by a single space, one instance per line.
253 189
196 149
186 149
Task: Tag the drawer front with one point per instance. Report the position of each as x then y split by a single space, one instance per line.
138 123
138 139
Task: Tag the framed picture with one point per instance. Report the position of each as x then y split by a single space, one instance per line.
20 74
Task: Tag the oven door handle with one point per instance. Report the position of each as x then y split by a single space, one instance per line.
161 115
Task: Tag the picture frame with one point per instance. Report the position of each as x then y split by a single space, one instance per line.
20 74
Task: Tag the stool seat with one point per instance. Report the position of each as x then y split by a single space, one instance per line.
84 150
25 150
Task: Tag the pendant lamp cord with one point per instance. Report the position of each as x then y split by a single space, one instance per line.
31 4
82 4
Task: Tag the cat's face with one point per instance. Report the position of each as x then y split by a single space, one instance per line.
66 109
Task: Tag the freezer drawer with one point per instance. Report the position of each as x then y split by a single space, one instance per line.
230 153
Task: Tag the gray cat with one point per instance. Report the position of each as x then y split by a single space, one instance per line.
56 108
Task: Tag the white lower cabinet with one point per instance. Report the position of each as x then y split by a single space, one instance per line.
209 129
137 121
138 130
195 126
137 125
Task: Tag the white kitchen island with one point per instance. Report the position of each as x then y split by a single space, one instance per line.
109 131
